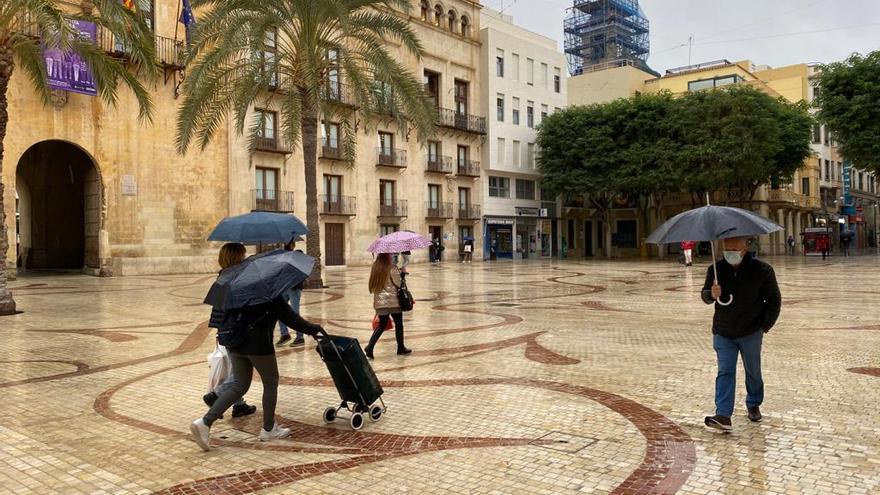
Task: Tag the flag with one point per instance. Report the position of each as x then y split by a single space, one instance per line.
188 19
130 5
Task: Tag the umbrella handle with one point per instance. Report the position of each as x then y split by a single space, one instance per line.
728 303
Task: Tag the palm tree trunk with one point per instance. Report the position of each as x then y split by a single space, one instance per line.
309 125
7 303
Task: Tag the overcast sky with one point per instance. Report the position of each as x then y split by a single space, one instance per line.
760 30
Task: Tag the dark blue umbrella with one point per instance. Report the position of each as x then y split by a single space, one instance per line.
259 228
711 223
467 238
259 279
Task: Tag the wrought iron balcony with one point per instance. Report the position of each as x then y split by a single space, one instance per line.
272 200
339 205
469 212
462 121
271 145
391 158
331 152
439 164
468 168
395 208
337 92
438 210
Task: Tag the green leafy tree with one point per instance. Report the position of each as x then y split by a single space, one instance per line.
26 25
849 103
319 43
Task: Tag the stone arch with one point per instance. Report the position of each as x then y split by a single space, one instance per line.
438 15
453 20
61 208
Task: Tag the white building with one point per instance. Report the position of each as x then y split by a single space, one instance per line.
524 81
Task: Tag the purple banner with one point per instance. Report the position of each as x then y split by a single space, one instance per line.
66 70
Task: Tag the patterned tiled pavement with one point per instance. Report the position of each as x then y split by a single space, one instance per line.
536 377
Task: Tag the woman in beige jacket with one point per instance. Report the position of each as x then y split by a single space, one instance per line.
385 279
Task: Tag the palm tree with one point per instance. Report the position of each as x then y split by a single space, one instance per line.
314 43
26 25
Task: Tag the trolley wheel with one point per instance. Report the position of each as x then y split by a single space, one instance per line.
329 415
361 408
376 413
357 421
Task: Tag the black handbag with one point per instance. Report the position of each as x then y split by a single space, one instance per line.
404 296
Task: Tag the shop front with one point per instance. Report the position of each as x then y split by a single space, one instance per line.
499 238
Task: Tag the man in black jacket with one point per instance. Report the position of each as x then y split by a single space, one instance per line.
738 328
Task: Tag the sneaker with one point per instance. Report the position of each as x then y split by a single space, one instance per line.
755 414
240 410
283 340
298 342
721 423
201 434
404 351
277 432
210 398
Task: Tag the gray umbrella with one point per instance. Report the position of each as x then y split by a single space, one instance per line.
711 223
259 279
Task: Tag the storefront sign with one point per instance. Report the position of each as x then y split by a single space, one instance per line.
499 221
527 212
66 70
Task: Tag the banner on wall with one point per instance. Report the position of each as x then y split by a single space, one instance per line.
66 70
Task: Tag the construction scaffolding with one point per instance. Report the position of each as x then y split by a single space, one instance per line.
606 31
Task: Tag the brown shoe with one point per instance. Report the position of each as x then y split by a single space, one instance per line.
755 414
720 423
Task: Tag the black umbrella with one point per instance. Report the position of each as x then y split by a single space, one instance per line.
711 223
259 279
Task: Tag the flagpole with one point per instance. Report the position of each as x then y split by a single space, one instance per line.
177 19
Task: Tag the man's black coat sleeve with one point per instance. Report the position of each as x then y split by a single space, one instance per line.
772 300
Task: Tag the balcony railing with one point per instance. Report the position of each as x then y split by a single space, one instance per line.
331 152
439 164
468 168
469 212
337 92
781 196
272 200
438 210
339 205
462 121
391 158
395 208
271 145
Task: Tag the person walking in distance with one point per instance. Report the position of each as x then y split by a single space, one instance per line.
385 280
687 247
739 328
468 251
293 297
822 245
791 245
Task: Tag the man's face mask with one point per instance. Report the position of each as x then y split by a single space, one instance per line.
734 258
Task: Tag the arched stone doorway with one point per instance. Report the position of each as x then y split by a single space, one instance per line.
59 208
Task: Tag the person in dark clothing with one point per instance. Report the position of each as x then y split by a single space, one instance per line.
256 352
738 328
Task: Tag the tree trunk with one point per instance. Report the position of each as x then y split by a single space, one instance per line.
606 224
310 165
7 303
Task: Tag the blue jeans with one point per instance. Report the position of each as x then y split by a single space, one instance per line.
293 297
727 351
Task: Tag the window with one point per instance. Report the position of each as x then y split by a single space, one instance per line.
525 189
387 228
557 80
464 198
266 183
425 14
499 103
330 136
465 27
530 114
332 189
461 97
530 153
515 153
499 187
434 196
827 136
515 116
515 63
499 63
805 186
463 154
453 22
502 147
544 111
542 82
816 92
626 234
530 72
432 86
817 133
386 192
266 127
438 15
270 51
434 152
556 109
386 144
716 82
827 170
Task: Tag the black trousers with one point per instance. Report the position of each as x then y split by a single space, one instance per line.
383 322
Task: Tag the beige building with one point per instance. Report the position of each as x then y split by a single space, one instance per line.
89 187
795 206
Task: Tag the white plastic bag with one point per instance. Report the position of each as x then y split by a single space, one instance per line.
220 367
